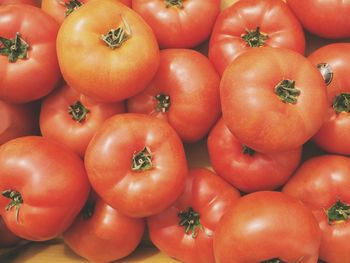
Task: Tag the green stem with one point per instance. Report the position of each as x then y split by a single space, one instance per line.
342 103
337 213
16 200
142 160
326 72
190 220
15 48
116 37
78 111
177 3
273 260
163 102
287 92
255 38
71 6
247 150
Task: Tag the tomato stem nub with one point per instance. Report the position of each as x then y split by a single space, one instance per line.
326 72
16 200
190 220
116 37
78 111
339 212
247 150
71 6
163 102
274 260
342 103
254 38
142 160
287 91
177 3
15 48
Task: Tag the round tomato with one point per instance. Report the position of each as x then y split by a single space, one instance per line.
137 164
72 119
102 234
7 238
185 86
110 60
323 183
245 168
28 61
334 61
188 225
273 99
250 24
28 2
43 187
267 227
179 23
329 19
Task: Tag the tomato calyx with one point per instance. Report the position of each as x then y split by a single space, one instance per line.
142 160
71 6
163 102
190 220
116 37
78 111
273 260
326 72
338 213
15 48
88 210
342 103
177 3
247 150
287 91
254 38
16 200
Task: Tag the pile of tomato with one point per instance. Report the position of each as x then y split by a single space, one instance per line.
99 97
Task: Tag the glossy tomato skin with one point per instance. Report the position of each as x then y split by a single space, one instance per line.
328 19
57 123
179 27
192 84
28 2
102 234
249 171
255 111
7 238
319 183
107 74
37 75
332 136
205 193
49 207
109 159
273 17
271 224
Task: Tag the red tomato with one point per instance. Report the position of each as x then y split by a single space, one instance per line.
188 226
7 238
18 120
102 234
185 86
323 183
329 19
334 61
111 60
28 62
43 187
179 23
137 164
268 99
28 2
250 24
72 119
245 168
267 227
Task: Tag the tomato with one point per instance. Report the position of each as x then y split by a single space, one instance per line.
28 62
245 168
329 19
334 61
268 99
28 2
185 86
43 187
267 227
18 120
137 164
179 23
110 60
250 24
72 119
102 234
188 226
7 238
322 183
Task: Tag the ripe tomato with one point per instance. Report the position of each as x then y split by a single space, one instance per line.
18 120
189 225
28 62
110 60
267 227
323 183
268 99
253 23
334 61
28 2
102 234
329 19
43 187
72 119
185 86
179 23
7 238
245 168
137 164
